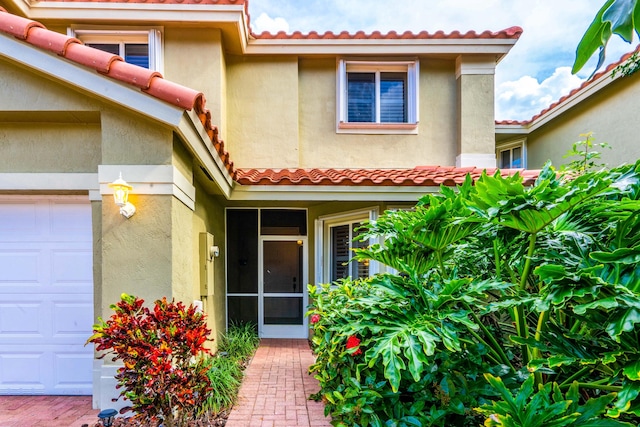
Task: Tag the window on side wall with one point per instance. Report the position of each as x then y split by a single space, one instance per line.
377 96
335 243
512 155
142 47
341 256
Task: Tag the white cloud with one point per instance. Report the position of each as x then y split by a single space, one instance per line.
525 97
272 25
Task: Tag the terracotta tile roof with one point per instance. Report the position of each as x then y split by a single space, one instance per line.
509 33
571 94
427 176
113 66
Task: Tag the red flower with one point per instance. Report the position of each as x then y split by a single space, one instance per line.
354 342
315 318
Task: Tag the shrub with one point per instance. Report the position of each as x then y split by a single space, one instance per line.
164 374
493 278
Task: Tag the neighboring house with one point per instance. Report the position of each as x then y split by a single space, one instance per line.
603 105
325 131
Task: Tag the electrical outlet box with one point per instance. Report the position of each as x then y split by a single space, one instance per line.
208 253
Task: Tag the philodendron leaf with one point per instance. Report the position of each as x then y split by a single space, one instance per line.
632 370
623 322
593 39
630 391
622 256
620 14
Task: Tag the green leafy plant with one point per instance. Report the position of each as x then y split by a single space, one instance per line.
225 370
619 17
164 374
494 278
545 407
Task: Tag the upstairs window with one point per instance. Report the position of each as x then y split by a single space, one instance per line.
512 155
140 47
377 95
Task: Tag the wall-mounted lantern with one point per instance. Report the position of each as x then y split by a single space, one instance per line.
121 192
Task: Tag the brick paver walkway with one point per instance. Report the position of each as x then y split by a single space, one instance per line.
275 393
46 411
276 387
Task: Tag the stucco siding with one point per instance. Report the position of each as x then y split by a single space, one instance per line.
476 112
209 217
194 57
137 252
262 108
607 114
321 146
49 147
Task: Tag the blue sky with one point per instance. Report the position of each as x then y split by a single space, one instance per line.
534 74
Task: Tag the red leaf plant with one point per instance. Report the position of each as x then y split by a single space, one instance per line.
164 375
354 342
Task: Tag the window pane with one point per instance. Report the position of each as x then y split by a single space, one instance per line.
283 311
393 97
361 267
137 54
516 157
361 97
283 222
242 251
339 252
242 310
106 47
505 159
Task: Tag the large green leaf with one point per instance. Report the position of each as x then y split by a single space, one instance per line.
596 37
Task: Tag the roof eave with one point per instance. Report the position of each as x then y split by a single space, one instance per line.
325 193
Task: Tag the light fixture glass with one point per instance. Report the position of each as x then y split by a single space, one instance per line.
121 192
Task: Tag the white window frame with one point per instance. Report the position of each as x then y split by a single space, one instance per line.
411 67
152 36
509 146
323 227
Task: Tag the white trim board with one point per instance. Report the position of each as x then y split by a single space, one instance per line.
149 179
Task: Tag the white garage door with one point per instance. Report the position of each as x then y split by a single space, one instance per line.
46 295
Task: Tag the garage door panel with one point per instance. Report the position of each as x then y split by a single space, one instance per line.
22 371
46 296
22 322
72 267
70 221
70 320
19 221
20 266
69 371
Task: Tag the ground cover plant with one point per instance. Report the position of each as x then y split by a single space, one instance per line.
508 306
168 376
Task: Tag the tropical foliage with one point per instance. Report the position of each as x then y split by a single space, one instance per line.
164 376
504 304
621 17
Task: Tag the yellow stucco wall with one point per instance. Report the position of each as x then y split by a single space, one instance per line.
267 96
194 57
262 111
607 114
209 217
476 112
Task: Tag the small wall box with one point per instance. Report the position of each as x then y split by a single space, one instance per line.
208 252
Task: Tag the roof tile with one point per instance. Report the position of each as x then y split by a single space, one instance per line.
509 33
420 176
55 42
17 26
